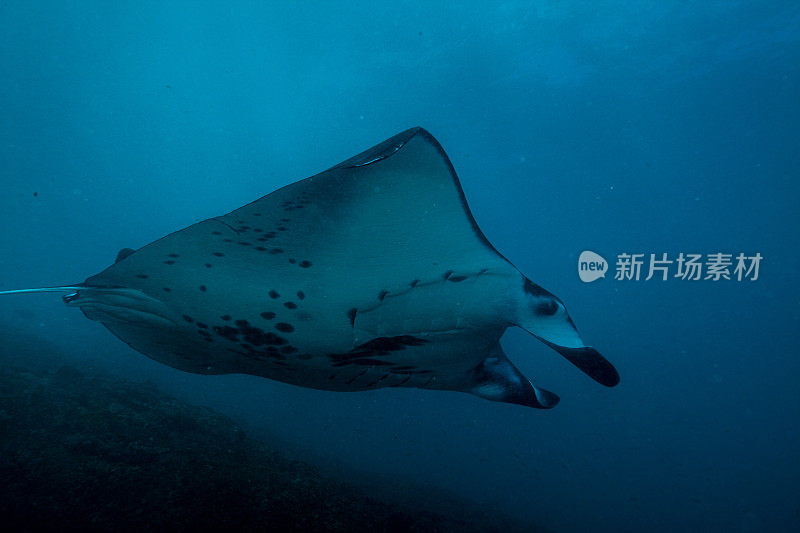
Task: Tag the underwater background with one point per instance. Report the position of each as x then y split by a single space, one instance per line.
616 127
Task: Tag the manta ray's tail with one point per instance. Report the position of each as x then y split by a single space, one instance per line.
61 288
543 315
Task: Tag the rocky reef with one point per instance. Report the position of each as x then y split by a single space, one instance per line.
83 450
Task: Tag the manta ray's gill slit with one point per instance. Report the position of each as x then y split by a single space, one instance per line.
400 384
201 325
188 319
360 374
456 279
274 294
386 375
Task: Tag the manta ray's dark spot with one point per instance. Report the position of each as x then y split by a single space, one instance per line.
268 315
261 249
173 255
216 233
258 230
141 276
288 349
232 334
284 327
305 264
257 336
227 240
276 251
547 308
202 326
414 283
301 295
242 243
256 214
293 261
290 305
281 228
304 356
203 288
170 262
285 219
351 314
208 265
166 289
382 295
208 339
270 234
225 317
400 371
456 279
218 254
274 294
203 332
188 319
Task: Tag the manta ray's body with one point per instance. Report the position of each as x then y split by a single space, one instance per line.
371 274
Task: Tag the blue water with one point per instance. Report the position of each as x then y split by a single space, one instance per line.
617 127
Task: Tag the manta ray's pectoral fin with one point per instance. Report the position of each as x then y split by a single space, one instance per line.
498 380
543 315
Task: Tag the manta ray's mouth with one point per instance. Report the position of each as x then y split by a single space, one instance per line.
120 304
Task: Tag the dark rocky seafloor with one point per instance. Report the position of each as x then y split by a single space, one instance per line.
84 450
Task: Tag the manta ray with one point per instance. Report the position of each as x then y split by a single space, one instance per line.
370 274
